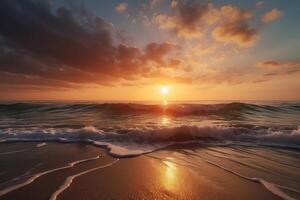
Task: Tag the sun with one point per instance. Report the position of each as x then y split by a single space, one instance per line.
164 90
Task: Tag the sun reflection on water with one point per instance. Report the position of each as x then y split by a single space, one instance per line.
165 120
165 102
170 176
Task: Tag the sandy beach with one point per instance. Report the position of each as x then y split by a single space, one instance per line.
159 175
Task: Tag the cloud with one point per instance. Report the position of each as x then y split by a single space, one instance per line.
174 3
156 52
121 7
272 15
188 21
175 62
279 67
260 4
235 27
68 46
146 21
154 3
226 23
277 63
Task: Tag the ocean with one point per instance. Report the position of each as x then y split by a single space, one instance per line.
256 141
127 129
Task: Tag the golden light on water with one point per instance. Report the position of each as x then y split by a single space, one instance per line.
170 176
165 120
165 102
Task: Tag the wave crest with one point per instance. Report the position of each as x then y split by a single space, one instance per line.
135 141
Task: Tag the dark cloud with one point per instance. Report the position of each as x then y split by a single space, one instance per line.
156 52
11 79
191 14
68 45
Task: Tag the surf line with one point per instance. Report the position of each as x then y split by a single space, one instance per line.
37 175
273 188
41 144
69 180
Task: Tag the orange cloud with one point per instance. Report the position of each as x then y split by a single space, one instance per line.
272 15
239 33
188 22
191 20
121 7
174 62
174 3
276 67
235 27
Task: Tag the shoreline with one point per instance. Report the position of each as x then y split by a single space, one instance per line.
162 175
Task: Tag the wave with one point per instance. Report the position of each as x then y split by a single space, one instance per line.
133 108
137 141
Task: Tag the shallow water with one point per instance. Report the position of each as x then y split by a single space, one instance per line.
276 170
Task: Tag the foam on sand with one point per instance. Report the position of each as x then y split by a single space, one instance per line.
38 175
70 179
41 144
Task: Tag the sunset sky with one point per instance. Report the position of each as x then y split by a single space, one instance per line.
128 50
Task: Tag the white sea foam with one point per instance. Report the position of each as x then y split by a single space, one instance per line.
38 175
41 144
70 179
144 140
127 150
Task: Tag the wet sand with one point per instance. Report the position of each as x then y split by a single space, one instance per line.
159 175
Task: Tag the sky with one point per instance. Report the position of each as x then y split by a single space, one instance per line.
127 50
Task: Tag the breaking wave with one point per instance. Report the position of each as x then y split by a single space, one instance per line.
136 141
